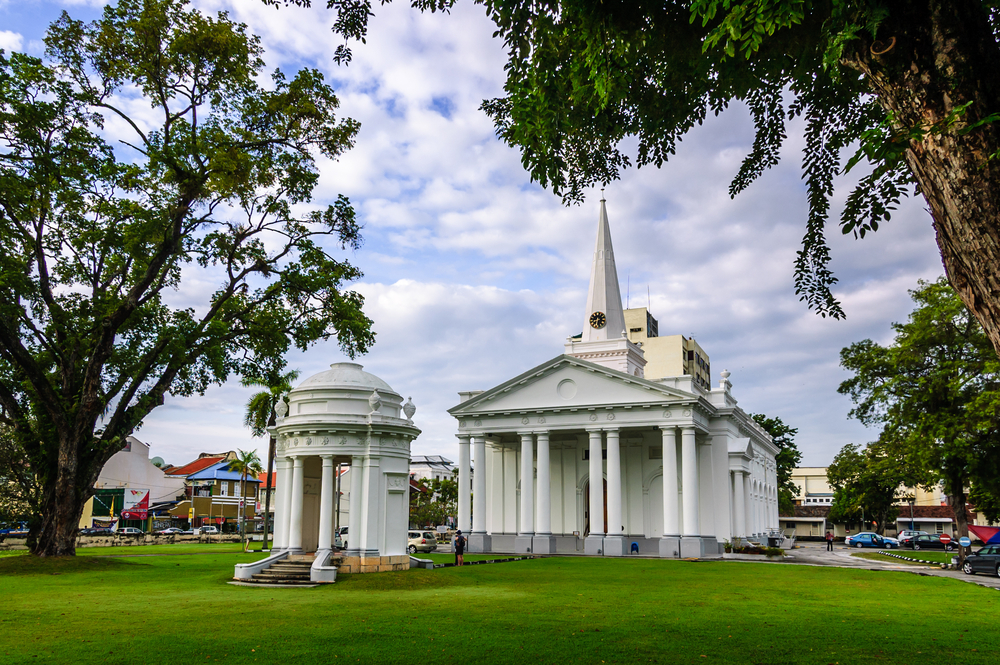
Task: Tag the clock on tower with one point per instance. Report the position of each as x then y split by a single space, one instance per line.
597 320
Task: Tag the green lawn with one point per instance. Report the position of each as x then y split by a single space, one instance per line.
448 557
923 555
179 609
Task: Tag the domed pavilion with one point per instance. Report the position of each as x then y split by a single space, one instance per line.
343 415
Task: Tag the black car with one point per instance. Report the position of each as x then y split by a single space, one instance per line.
95 530
930 542
986 560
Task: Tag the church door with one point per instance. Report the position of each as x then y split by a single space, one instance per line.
586 508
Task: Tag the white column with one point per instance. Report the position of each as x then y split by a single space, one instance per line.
464 484
295 505
689 476
614 484
596 485
543 521
739 510
671 512
479 486
748 503
283 486
527 486
354 516
326 505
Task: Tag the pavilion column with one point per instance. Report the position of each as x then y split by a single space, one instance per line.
691 544
295 505
283 486
326 506
354 517
478 540
614 543
739 510
670 540
464 484
594 544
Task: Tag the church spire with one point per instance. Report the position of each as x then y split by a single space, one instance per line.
605 319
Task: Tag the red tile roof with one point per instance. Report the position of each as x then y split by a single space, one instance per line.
195 466
263 479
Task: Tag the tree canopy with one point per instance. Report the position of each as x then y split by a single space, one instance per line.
867 482
935 394
157 232
906 90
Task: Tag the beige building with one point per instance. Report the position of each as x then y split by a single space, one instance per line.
673 355
814 490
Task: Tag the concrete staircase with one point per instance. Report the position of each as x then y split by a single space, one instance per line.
291 571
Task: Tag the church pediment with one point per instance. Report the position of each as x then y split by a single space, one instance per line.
568 383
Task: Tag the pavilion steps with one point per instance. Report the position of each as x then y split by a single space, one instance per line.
291 571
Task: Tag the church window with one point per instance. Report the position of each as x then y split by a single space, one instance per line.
655 452
586 453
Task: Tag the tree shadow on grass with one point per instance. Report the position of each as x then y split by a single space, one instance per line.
59 565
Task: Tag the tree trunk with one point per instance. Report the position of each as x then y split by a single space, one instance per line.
957 502
64 496
930 58
267 496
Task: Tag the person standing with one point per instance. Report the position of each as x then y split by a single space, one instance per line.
459 548
829 541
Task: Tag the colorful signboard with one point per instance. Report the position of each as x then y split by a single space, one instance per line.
136 505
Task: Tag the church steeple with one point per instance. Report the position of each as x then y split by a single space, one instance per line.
603 340
604 318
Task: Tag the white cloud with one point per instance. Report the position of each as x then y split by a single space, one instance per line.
10 41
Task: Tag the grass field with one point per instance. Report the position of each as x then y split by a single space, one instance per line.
931 558
179 609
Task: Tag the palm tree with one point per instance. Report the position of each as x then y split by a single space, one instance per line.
246 462
260 416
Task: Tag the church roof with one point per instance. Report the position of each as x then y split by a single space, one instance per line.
642 391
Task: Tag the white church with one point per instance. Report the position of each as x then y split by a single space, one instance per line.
681 466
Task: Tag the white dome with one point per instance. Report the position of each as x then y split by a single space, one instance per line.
345 389
345 375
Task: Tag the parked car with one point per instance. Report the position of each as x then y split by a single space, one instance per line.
129 531
95 530
209 530
420 541
930 542
986 560
906 535
342 537
171 529
871 539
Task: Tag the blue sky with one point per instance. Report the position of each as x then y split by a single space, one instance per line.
473 274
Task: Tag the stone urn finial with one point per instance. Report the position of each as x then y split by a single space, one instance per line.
280 409
375 401
409 408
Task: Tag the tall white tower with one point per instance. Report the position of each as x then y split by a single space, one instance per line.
604 340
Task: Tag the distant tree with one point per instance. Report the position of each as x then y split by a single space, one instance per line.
259 417
786 460
20 489
867 483
107 209
935 393
247 463
435 503
912 86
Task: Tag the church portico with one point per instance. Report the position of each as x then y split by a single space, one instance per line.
583 454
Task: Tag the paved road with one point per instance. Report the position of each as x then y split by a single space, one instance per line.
811 555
